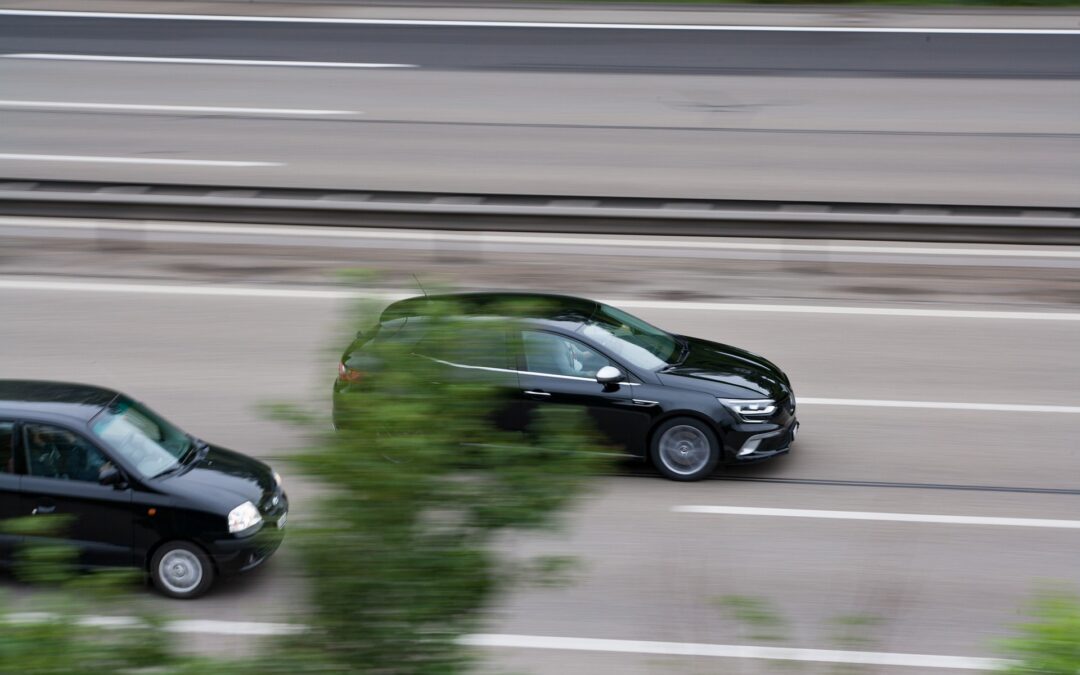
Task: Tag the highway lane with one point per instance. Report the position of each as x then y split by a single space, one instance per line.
986 121
649 573
846 139
556 49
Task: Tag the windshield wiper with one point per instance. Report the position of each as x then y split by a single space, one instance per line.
684 352
172 469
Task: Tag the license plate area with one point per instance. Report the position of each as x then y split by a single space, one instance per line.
282 520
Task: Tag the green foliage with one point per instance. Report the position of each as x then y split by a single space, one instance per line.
51 635
763 622
1050 643
421 483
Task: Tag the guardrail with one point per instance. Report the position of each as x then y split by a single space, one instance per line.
358 208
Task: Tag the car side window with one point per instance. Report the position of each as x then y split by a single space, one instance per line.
483 346
53 452
553 354
7 446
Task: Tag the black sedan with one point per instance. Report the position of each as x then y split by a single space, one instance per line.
139 491
686 403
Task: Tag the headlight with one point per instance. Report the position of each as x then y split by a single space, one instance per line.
277 479
244 517
750 410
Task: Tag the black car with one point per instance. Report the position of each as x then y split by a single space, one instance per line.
687 404
139 492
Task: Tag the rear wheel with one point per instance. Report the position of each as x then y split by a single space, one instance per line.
685 449
181 570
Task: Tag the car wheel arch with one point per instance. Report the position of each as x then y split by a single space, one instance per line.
693 414
169 540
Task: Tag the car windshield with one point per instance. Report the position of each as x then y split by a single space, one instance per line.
148 442
629 338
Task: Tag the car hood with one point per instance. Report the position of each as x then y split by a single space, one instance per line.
225 478
726 371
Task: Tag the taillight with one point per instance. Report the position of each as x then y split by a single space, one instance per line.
347 374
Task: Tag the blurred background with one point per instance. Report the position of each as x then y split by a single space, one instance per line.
883 201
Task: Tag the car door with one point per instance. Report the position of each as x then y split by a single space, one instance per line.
556 369
62 469
9 487
479 353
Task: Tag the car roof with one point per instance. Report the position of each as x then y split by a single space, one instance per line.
534 307
43 398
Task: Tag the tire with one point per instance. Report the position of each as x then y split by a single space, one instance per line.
684 449
181 570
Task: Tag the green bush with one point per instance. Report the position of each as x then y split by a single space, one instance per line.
420 484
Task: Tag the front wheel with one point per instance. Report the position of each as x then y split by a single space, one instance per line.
181 570
685 449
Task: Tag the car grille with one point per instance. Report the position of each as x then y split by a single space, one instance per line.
273 502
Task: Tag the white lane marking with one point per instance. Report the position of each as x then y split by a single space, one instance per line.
169 108
215 627
734 651
340 293
867 311
498 238
536 24
879 516
203 62
177 289
131 160
253 628
941 405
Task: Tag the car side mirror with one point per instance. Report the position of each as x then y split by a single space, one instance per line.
610 375
111 476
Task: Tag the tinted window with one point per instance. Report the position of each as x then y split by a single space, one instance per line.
553 354
52 452
7 447
141 437
628 337
479 345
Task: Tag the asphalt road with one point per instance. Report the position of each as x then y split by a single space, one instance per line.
558 49
648 572
935 118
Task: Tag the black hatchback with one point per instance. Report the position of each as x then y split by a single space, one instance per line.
687 404
138 491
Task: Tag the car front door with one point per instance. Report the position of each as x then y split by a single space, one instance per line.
62 477
556 369
9 488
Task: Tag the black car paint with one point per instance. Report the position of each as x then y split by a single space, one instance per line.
122 525
628 411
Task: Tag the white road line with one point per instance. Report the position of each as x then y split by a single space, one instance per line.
734 651
867 311
203 62
253 628
131 160
941 405
878 516
535 24
177 289
286 231
169 108
325 293
215 627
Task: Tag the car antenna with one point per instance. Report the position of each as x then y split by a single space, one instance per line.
417 279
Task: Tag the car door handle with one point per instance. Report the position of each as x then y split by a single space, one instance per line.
537 394
42 510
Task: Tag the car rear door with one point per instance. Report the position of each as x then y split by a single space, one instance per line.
62 469
479 352
556 369
9 487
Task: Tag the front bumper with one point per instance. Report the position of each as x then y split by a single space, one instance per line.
240 554
765 445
